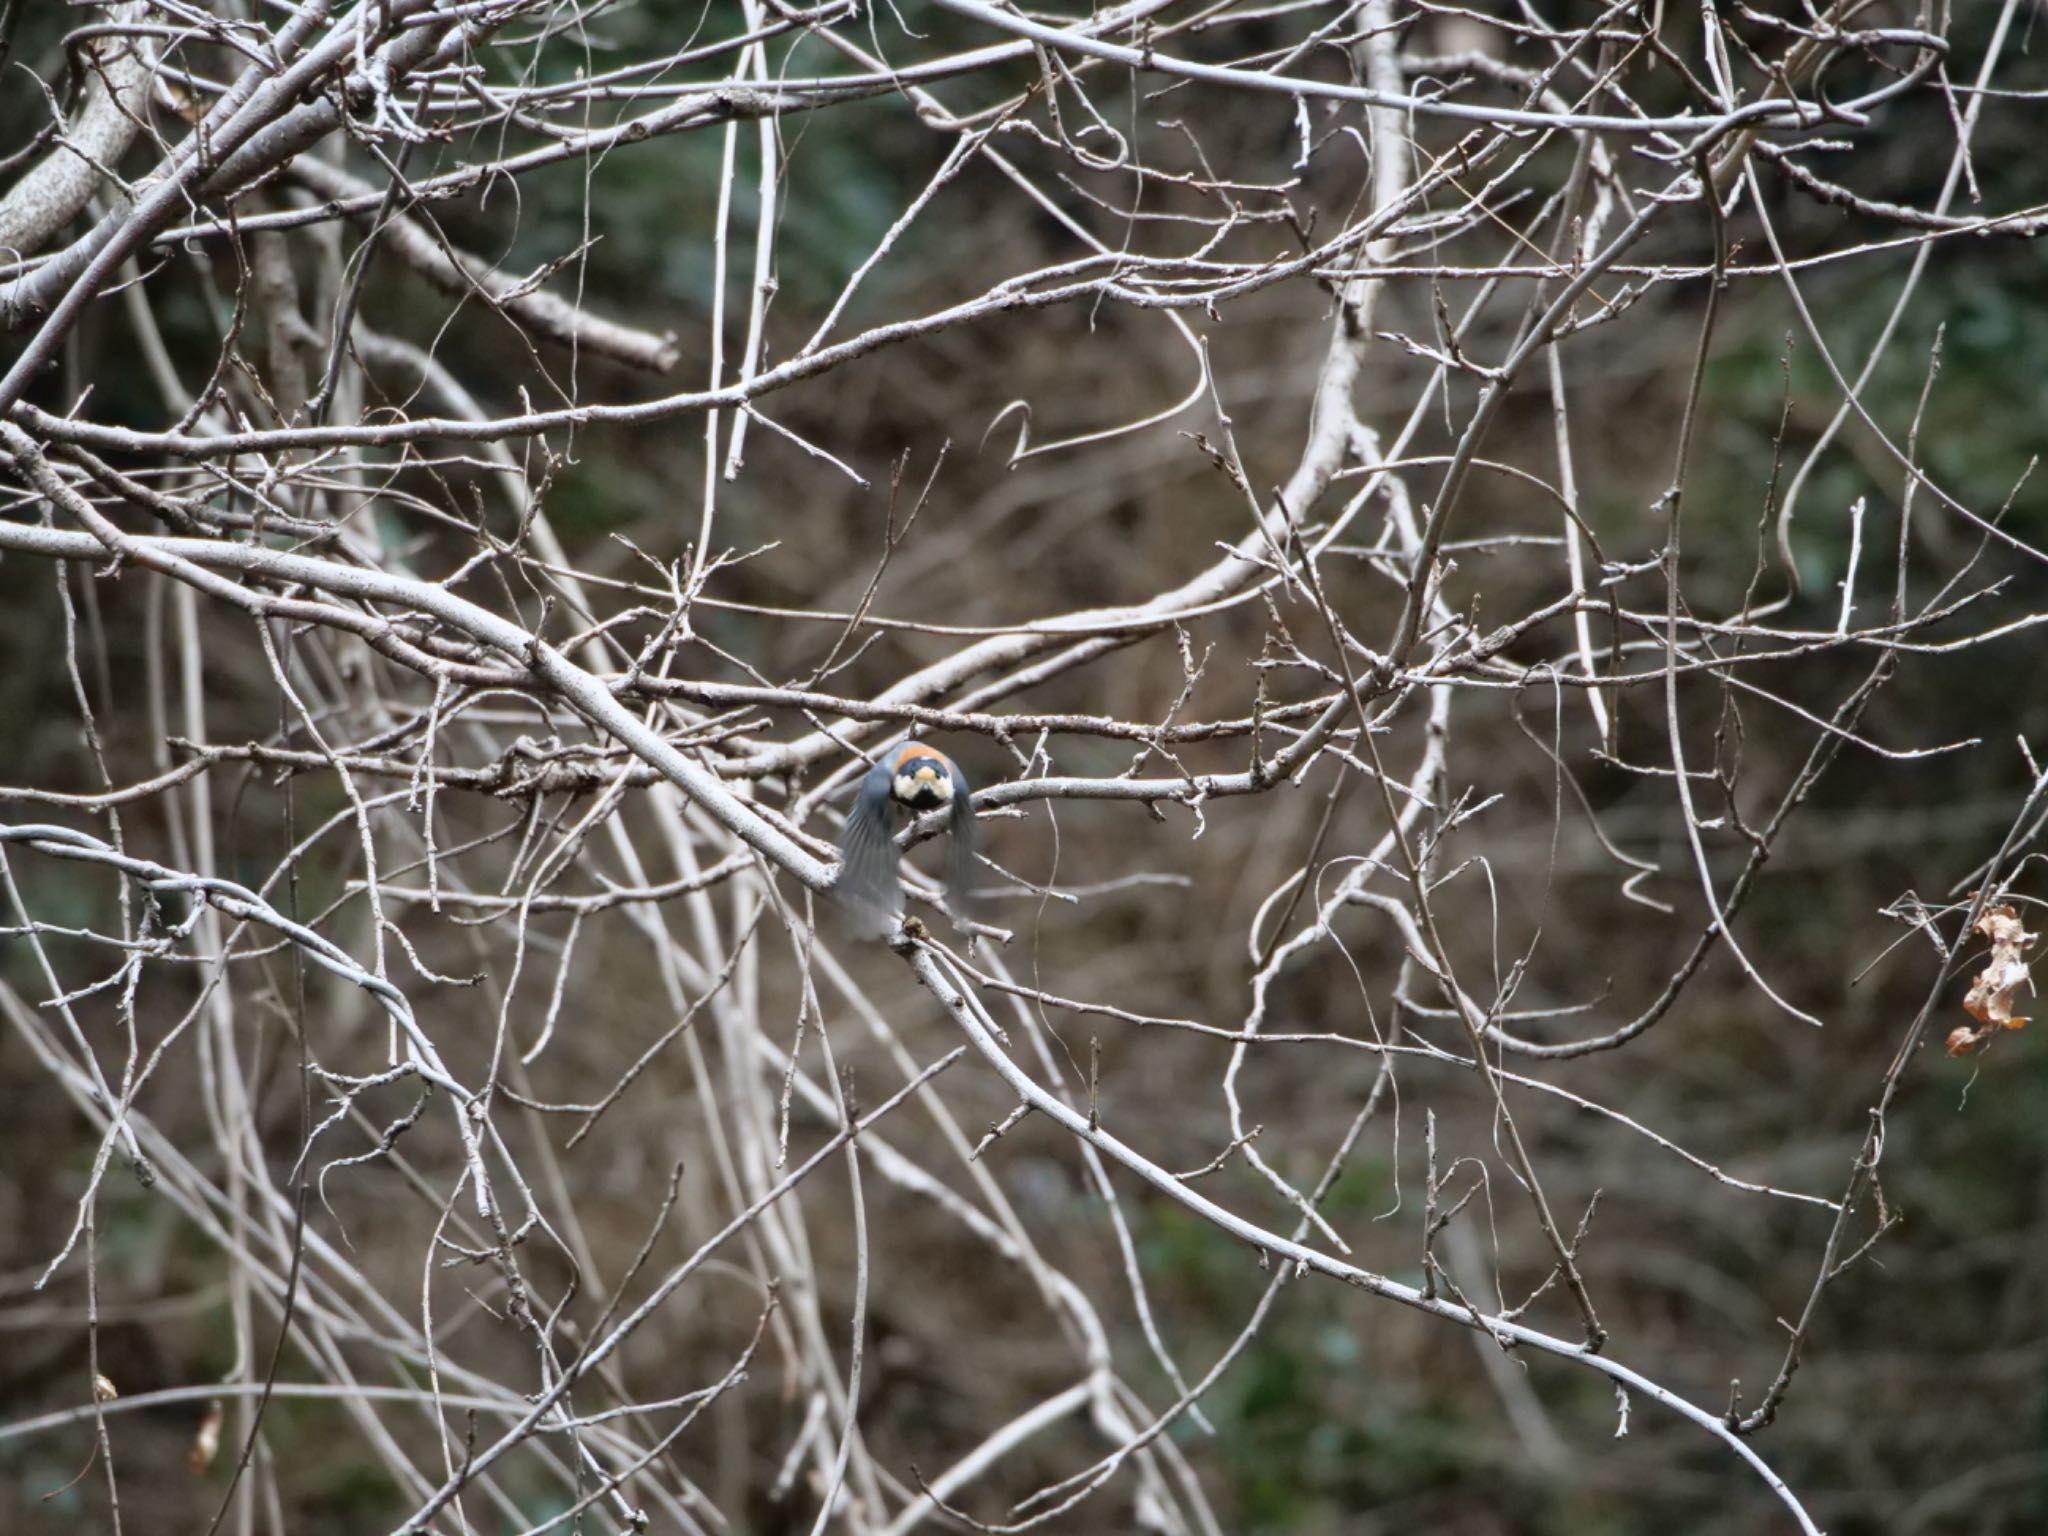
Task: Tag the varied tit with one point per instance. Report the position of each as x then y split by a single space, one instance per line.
909 781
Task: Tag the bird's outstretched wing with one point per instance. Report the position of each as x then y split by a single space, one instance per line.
960 868
868 885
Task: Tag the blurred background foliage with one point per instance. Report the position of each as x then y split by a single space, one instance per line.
1923 1404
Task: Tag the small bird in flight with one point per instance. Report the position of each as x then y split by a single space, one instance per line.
909 781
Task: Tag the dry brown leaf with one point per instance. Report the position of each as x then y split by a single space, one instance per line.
206 1444
1991 994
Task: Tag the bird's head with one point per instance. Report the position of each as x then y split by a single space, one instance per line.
921 778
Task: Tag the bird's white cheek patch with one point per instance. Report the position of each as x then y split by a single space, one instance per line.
923 786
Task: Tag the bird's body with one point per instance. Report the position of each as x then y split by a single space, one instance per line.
909 781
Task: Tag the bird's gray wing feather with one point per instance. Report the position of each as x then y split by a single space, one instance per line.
960 866
868 883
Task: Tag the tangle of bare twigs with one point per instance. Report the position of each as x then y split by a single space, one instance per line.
435 902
